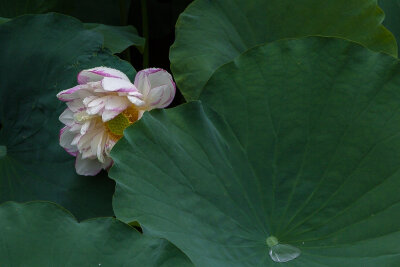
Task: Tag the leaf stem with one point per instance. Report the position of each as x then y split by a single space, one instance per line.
124 13
145 33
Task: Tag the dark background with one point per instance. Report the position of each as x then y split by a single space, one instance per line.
162 17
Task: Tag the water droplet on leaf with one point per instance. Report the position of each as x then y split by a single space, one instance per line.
283 253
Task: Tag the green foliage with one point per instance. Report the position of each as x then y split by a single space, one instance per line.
304 147
44 55
10 9
111 12
392 16
118 38
44 234
292 152
212 33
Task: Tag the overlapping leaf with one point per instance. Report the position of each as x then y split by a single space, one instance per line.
44 234
111 12
116 38
212 33
42 55
304 146
392 16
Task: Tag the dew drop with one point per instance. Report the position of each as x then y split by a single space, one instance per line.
284 253
281 252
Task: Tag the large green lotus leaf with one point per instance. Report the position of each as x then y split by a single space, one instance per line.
15 8
304 146
44 234
212 33
112 12
392 16
42 55
118 38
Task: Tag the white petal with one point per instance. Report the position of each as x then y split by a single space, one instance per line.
156 96
69 94
136 101
87 167
101 148
117 85
76 140
137 94
84 141
88 154
108 162
116 103
76 128
98 73
89 99
97 101
96 109
96 141
76 105
158 79
142 82
109 114
109 144
67 117
85 127
66 138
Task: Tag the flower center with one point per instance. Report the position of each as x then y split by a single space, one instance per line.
116 126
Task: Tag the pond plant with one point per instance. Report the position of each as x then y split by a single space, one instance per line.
200 133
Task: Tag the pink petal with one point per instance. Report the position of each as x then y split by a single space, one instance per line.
158 80
161 96
98 73
117 85
66 138
69 94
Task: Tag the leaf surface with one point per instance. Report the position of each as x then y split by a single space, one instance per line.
212 33
302 143
44 234
44 55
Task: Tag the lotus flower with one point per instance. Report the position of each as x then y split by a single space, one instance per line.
102 105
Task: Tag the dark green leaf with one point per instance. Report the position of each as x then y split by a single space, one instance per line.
118 38
44 234
43 55
392 16
306 148
112 12
211 33
2 20
10 9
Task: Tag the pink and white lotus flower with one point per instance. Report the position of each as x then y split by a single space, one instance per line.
102 105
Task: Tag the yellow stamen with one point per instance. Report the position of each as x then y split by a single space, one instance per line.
116 126
82 116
